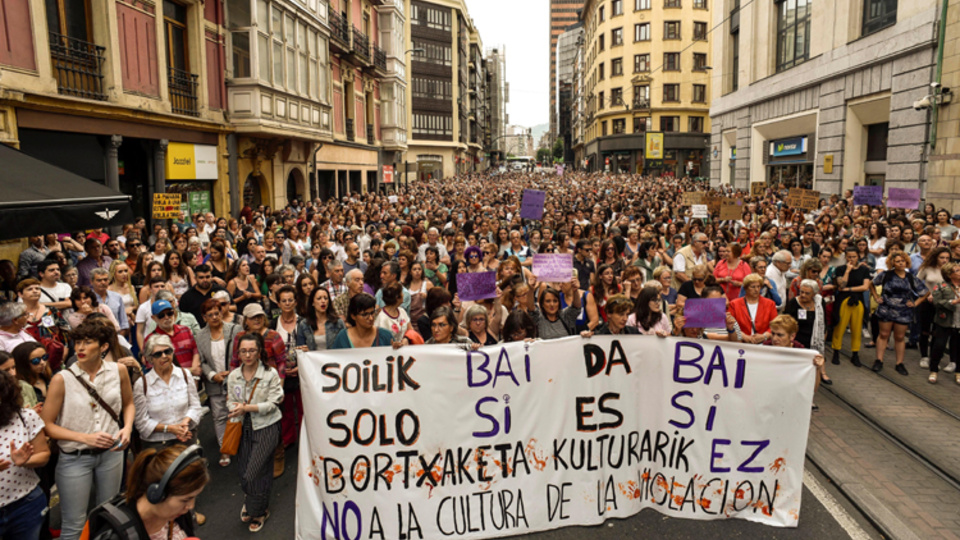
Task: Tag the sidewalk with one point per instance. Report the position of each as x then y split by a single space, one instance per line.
904 497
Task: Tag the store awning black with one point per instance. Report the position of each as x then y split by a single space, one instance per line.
38 198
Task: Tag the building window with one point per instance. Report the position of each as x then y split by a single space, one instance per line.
641 4
616 97
699 93
671 93
699 61
699 4
671 30
671 61
175 28
641 32
603 128
878 14
641 97
671 3
600 75
616 8
699 31
669 123
432 124
601 42
616 37
642 125
619 126
793 33
735 68
600 14
431 17
433 53
600 101
431 88
695 124
616 67
641 63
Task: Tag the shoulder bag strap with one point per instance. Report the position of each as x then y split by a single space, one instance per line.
95 395
252 390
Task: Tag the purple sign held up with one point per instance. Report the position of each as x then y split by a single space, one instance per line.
868 195
553 267
705 313
477 286
531 207
903 198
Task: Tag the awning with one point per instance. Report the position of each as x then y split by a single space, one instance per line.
39 198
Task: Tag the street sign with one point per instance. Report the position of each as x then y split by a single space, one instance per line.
166 205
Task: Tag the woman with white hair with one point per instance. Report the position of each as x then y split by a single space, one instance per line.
807 309
227 314
168 408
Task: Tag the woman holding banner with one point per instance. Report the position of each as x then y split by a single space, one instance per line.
752 311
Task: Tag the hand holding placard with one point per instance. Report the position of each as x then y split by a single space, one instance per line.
531 206
477 286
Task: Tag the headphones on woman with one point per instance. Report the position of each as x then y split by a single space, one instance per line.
157 491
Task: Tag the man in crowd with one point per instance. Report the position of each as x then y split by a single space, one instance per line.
354 283
334 285
353 258
31 257
193 299
185 350
688 257
100 281
53 293
94 259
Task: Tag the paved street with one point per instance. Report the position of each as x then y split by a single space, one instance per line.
822 507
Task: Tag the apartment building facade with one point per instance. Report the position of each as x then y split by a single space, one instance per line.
444 60
646 77
820 94
563 14
127 93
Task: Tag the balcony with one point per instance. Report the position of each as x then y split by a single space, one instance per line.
339 31
361 45
350 133
77 66
379 59
641 104
371 136
183 92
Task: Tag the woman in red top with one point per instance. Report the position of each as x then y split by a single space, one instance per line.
753 312
731 269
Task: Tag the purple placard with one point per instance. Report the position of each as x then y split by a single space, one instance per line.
553 267
476 286
705 312
868 195
903 198
531 207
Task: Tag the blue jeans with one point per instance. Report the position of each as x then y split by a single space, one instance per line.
75 476
22 519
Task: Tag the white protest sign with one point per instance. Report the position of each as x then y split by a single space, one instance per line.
434 441
553 267
700 211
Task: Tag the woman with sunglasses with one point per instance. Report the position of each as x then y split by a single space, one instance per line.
694 287
490 260
168 408
33 371
474 257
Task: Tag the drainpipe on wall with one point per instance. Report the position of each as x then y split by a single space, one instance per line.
934 106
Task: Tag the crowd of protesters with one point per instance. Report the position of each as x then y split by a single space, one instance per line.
135 338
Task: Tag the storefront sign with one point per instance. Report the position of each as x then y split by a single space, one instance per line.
654 146
166 206
435 441
388 174
789 147
191 161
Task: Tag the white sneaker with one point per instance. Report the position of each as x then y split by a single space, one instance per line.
924 362
951 368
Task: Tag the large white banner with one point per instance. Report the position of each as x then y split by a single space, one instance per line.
438 442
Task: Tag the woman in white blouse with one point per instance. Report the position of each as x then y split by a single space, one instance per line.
168 408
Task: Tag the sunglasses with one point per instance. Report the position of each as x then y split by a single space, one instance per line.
473 256
165 314
160 354
37 361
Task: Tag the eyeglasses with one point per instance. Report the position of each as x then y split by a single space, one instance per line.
164 314
368 314
698 279
159 354
37 361
248 352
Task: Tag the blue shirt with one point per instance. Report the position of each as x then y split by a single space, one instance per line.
115 302
915 261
